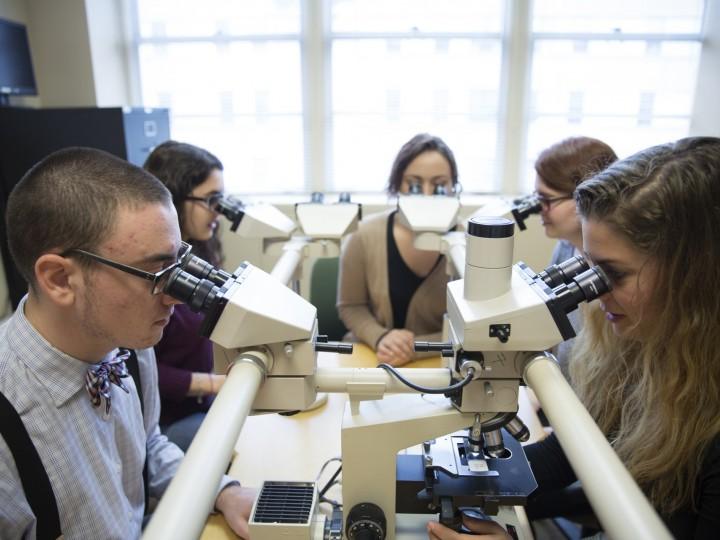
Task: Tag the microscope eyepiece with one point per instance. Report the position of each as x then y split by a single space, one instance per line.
525 207
584 287
564 272
199 294
232 209
202 269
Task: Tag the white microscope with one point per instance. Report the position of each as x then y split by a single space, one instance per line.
501 319
318 232
432 219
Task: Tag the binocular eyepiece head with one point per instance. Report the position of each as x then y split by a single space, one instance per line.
524 208
416 189
196 283
232 209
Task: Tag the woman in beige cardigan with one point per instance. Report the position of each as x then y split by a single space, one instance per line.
390 293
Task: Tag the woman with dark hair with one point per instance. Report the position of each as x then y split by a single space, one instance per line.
560 169
647 364
185 359
389 292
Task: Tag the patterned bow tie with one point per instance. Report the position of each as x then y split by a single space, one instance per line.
98 379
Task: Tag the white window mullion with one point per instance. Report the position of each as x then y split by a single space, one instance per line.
314 94
515 91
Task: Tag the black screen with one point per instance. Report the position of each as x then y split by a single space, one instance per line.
16 71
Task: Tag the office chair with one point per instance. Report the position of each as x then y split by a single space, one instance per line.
323 294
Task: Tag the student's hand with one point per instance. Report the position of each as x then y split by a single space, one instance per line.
217 382
484 530
235 503
396 348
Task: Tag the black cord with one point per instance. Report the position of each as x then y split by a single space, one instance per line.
330 482
424 390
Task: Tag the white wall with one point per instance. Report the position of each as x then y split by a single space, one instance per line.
60 46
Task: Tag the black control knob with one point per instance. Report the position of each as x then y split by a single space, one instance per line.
366 521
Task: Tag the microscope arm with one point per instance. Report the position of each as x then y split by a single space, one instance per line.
292 255
375 380
454 246
189 498
619 503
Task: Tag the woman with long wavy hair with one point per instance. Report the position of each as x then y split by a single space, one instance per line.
647 364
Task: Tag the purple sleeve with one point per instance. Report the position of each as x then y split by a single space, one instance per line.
180 352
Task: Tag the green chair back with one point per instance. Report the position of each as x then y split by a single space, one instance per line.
323 295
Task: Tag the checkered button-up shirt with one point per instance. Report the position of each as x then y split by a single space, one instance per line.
94 462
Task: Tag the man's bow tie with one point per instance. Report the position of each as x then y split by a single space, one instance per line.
99 377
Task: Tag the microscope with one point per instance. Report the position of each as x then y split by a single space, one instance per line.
501 319
256 220
432 219
523 208
318 232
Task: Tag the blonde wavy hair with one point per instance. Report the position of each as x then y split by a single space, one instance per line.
657 397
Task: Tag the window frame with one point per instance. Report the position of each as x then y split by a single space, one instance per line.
315 40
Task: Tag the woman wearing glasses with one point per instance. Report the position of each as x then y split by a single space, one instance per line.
185 360
389 292
560 168
647 366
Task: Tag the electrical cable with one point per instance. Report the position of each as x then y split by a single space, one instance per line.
425 390
330 483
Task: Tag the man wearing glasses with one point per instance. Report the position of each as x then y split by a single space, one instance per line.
96 238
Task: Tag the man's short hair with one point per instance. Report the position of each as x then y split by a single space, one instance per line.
70 199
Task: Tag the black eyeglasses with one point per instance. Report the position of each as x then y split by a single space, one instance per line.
547 202
159 279
211 201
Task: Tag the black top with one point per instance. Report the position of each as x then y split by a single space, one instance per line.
402 280
553 472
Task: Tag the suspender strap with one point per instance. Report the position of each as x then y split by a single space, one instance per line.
34 478
133 368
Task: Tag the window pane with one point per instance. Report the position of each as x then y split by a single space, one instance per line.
631 94
259 154
416 16
212 18
226 93
386 91
623 134
627 16
365 148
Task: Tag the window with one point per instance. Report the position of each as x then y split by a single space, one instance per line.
230 72
405 67
623 72
294 95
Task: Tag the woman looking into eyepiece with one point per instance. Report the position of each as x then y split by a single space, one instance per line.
389 292
647 364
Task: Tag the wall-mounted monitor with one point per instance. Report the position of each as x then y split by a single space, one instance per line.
16 70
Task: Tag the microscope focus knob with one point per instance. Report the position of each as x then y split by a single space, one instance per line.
366 521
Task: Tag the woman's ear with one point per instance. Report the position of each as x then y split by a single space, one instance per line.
57 278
